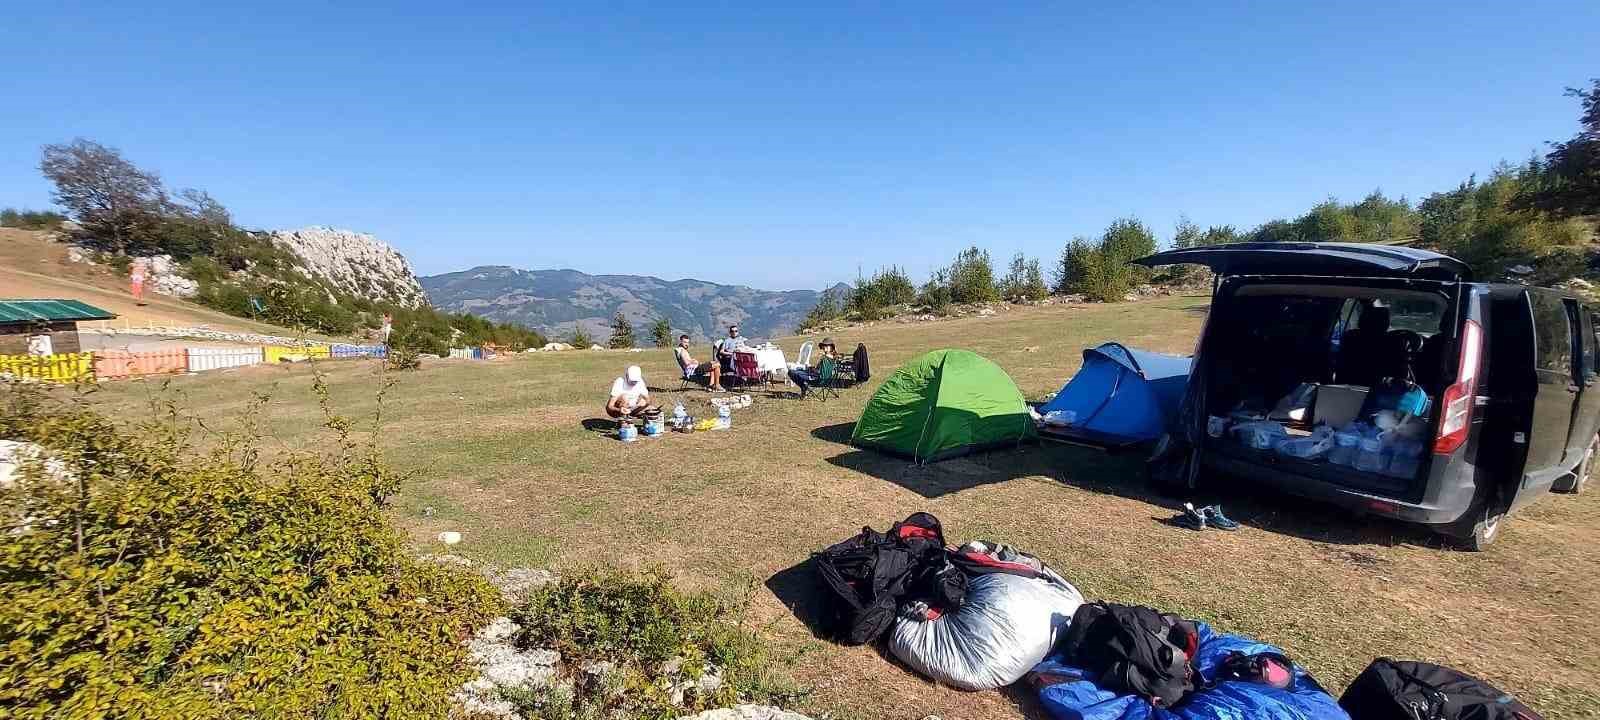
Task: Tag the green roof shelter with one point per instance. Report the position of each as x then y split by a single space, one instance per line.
26 326
944 404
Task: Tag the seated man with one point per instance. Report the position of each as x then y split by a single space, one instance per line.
630 397
805 377
727 346
693 370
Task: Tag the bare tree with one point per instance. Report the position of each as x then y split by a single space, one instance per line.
108 195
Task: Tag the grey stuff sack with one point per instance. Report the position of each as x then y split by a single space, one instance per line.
1006 626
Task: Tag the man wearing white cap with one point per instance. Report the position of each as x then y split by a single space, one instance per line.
630 397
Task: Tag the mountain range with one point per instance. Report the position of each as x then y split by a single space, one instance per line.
555 302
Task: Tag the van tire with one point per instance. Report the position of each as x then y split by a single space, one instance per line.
1491 519
1574 482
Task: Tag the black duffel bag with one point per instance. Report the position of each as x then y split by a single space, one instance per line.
1410 690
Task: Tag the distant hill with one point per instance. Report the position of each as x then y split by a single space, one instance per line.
556 301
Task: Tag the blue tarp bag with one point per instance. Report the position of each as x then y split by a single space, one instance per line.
1070 693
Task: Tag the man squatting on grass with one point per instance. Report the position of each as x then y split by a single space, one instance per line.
630 397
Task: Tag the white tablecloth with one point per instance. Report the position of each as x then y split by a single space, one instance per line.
768 359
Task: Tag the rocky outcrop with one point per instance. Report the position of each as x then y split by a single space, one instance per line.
163 277
355 263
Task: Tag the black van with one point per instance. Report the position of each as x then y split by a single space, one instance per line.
1343 329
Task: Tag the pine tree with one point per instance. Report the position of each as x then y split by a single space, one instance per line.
661 333
621 332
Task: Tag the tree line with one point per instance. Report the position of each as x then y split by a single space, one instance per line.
121 211
1533 222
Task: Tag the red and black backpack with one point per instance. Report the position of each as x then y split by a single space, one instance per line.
866 577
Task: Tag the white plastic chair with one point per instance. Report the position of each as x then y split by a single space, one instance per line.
804 358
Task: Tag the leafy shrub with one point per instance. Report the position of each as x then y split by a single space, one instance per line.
403 358
828 307
874 299
1024 282
935 294
644 626
581 338
1099 269
31 219
158 580
971 277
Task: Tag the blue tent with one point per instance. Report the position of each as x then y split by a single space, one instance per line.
1121 396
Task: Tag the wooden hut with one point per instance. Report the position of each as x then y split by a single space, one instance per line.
23 323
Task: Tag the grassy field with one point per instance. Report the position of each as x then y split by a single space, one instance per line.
501 452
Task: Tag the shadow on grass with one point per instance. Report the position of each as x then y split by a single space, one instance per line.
1122 475
796 587
603 426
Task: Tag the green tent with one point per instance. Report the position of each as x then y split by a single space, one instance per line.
944 404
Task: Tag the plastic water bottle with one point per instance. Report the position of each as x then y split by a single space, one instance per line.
1370 458
1346 445
678 415
724 418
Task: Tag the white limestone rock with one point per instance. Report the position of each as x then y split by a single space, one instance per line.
356 263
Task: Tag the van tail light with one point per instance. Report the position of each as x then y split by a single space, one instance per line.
1456 405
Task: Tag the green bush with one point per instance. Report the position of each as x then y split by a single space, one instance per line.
971 277
644 626
403 358
1099 269
31 219
875 298
157 580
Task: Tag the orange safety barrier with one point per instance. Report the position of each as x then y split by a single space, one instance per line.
122 363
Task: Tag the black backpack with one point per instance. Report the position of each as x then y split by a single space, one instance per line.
865 577
1407 690
1134 650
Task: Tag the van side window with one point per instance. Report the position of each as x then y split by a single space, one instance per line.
1591 346
1552 333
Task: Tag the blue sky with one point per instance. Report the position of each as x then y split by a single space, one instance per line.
783 147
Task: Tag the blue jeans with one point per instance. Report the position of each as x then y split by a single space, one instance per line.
804 378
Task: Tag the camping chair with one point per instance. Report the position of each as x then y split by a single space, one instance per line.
745 368
826 377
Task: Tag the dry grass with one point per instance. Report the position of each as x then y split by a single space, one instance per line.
500 452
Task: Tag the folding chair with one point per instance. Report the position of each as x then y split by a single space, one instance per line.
745 368
825 378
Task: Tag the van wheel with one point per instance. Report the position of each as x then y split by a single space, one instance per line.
1574 482
1486 529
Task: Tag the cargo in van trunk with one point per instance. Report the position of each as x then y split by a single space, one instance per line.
1359 356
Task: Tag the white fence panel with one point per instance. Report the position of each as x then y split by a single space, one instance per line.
201 359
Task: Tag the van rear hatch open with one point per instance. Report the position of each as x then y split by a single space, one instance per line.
1279 314
1325 259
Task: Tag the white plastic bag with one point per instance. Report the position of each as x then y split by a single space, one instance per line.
1006 626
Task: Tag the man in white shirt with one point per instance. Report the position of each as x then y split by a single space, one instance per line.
630 397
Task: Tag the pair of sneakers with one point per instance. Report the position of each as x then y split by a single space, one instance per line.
1201 518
